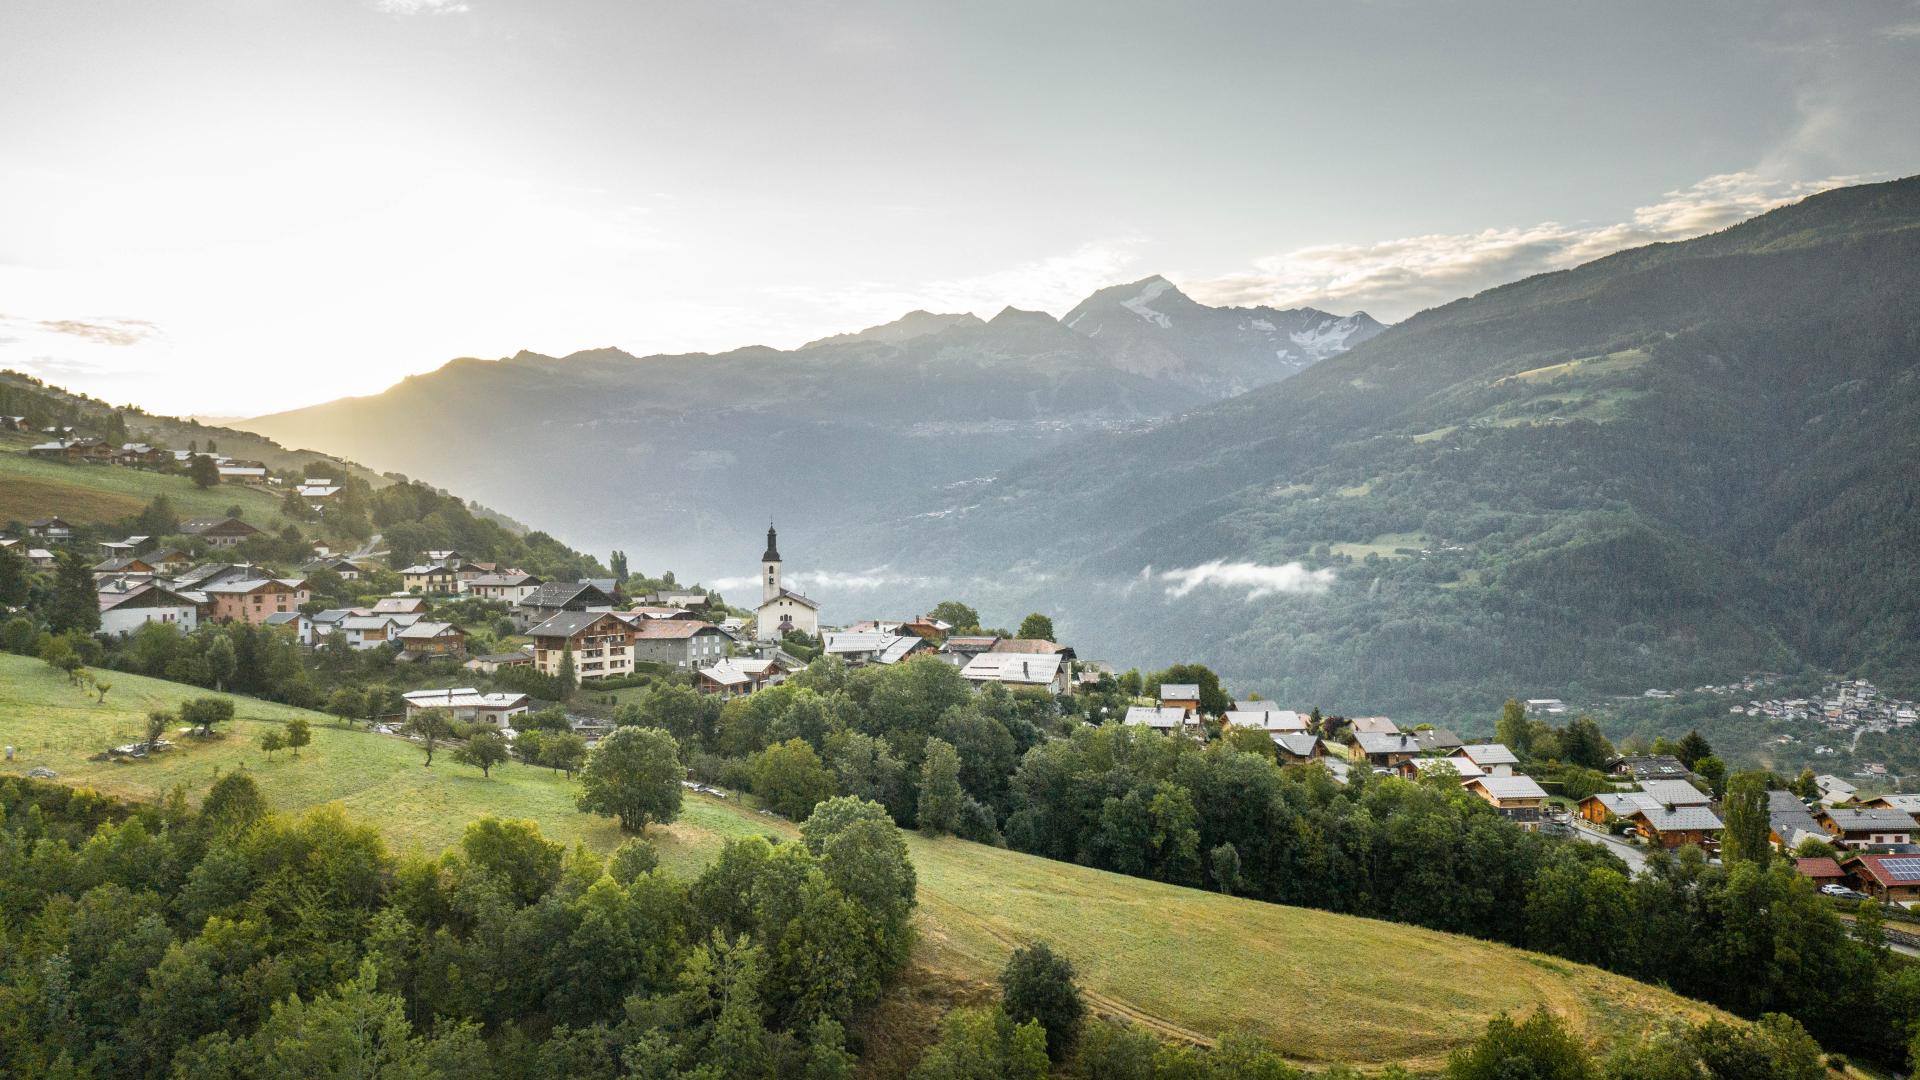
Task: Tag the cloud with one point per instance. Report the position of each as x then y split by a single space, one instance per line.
1900 31
1394 278
819 581
1054 283
116 332
421 7
1256 579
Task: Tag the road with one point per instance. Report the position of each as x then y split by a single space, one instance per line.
1634 857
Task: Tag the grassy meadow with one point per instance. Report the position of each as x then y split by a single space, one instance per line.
1186 963
86 494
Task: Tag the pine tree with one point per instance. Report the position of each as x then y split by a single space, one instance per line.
75 603
1748 828
1512 730
565 682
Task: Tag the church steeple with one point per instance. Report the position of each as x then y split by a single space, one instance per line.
773 548
770 569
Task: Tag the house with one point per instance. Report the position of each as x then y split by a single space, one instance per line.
1890 879
448 559
52 529
1374 725
1437 740
1184 696
122 613
86 448
509 587
733 676
679 642
432 639
253 600
858 647
1821 871
1493 758
1867 828
686 598
1648 767
492 662
300 625
1675 793
1677 826
1653 795
468 705
1603 806
347 569
1017 669
318 492
1833 790
218 532
1031 645
1384 750
142 456
634 614
122 567
364 630
782 611
1159 718
205 574
1459 767
1906 804
1297 747
1516 797
400 604
601 643
431 578
1266 720
242 472
170 561
554 598
960 648
1789 821
41 558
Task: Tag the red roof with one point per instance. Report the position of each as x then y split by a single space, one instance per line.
671 629
1891 869
1818 868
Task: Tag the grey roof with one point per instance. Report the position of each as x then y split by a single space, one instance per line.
1517 786
1680 818
1155 717
281 618
427 630
560 594
789 594
1297 743
1379 742
503 580
1675 793
1179 691
1871 820
333 615
1439 738
568 623
1490 753
1789 817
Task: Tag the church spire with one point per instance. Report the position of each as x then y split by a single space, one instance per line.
773 548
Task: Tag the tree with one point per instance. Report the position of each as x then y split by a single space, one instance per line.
1713 771
564 751
74 603
203 471
1511 730
430 726
204 712
1538 1048
956 614
271 740
233 802
347 703
790 779
617 564
1748 828
1805 785
632 860
58 653
1691 749
100 688
1037 984
633 774
1223 862
221 661
14 581
483 750
1213 700
299 734
158 721
1036 627
565 682
941 797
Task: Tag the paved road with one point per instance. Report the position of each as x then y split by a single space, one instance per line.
1635 857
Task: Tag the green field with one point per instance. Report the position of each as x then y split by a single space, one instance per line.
87 494
1189 964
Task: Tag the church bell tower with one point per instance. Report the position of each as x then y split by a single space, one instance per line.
770 568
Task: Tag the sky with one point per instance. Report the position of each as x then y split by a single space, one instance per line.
234 207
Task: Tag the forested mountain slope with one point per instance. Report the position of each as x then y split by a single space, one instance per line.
1685 459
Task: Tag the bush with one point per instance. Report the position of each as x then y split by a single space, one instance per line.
1037 984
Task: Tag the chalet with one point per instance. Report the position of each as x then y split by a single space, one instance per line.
218 532
735 675
1867 828
859 648
1516 797
468 705
242 472
601 643
347 569
121 613
635 614
1789 821
1648 767
679 642
253 600
86 448
448 558
41 558
554 598
960 648
1297 747
1384 750
318 492
683 598
122 567
1031 646
1160 718
432 639
1183 696
52 529
1493 758
430 578
1373 725
1890 879
510 588
782 611
1273 720
1016 670
141 456
1833 790
400 604
362 630
1820 871
1905 804
170 561
1437 740
1652 795
1415 768
492 662
1677 826
205 574
301 626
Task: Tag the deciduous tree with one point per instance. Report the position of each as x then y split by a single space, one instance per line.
482 750
633 774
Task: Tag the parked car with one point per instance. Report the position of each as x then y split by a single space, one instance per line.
1842 892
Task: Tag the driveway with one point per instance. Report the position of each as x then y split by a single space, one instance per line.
1634 856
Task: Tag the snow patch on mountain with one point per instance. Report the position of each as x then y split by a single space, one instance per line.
1138 305
1328 337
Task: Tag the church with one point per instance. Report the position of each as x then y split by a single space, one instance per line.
781 610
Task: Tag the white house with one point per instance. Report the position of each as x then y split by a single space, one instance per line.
781 611
1017 669
121 613
469 705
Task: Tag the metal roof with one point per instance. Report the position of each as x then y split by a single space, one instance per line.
1680 818
1510 787
1027 669
1155 717
1490 753
1675 793
1179 691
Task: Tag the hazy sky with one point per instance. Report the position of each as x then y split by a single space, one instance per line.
238 206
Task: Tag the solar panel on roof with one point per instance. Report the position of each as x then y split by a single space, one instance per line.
1902 868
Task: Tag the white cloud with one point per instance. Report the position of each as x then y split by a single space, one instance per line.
421 7
1900 30
1255 579
1394 278
818 582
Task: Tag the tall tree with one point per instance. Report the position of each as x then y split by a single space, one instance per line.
956 614
1037 984
565 682
14 583
1744 811
299 734
1692 748
202 470
941 796
617 564
634 774
1511 730
75 603
1036 627
483 750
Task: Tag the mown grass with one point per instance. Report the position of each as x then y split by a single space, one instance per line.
87 494
1188 964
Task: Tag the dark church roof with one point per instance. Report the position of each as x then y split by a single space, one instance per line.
773 549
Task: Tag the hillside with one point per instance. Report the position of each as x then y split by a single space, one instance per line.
1323 987
1683 461
712 446
93 494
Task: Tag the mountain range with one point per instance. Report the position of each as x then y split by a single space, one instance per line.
682 460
